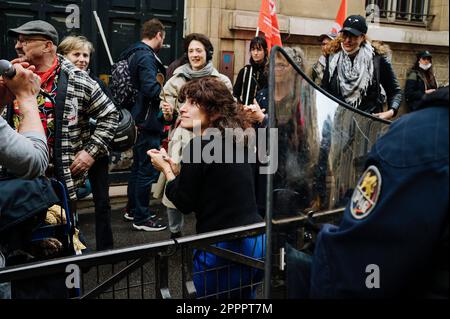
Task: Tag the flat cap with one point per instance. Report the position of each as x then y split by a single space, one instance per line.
329 35
37 27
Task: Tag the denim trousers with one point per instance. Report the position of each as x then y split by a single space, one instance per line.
176 220
142 176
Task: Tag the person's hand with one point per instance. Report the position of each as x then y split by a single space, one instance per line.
24 85
254 112
83 161
174 166
167 110
21 60
429 91
385 115
6 97
158 159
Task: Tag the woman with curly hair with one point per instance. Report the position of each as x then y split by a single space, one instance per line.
216 184
357 70
198 64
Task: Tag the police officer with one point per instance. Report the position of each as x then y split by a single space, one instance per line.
393 239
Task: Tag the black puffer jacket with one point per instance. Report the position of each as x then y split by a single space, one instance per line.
373 100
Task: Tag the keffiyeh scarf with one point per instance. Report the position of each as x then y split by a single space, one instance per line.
354 78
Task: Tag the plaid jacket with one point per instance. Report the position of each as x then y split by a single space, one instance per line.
79 98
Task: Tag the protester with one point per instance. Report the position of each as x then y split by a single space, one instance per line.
420 80
255 72
296 137
199 52
23 153
67 99
356 68
319 67
380 250
220 193
78 50
144 65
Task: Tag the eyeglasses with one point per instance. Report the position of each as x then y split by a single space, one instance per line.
281 66
25 41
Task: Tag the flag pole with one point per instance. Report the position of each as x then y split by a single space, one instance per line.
251 75
102 34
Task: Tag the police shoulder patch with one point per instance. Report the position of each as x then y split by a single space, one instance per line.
366 193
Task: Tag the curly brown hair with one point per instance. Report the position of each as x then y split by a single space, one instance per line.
214 98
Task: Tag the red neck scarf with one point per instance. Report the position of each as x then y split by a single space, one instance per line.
48 76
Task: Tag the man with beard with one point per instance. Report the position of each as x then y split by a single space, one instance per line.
144 65
68 97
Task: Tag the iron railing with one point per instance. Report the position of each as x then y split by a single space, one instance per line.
157 270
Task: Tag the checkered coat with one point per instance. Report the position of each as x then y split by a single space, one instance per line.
79 98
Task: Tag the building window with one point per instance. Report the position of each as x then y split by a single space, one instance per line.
400 11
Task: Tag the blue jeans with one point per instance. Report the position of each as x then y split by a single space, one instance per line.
176 220
219 278
143 175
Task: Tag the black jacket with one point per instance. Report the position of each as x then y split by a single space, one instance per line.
415 88
220 194
259 82
373 100
144 66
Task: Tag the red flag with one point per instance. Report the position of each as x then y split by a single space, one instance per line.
268 23
340 18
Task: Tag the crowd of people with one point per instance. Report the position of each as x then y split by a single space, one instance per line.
53 100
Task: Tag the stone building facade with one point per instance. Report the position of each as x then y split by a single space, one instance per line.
232 23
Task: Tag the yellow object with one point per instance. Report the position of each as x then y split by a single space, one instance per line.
57 215
77 244
54 215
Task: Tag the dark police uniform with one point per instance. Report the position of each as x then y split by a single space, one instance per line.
393 239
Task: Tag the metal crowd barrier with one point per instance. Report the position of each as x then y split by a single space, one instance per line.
161 270
139 271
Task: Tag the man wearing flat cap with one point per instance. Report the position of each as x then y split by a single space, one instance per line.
68 98
357 70
319 66
420 80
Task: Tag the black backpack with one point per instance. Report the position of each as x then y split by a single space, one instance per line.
122 89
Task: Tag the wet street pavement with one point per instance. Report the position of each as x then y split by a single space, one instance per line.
123 232
140 283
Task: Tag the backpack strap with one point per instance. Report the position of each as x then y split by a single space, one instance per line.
130 54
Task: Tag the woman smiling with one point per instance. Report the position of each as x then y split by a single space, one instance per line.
199 52
357 69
